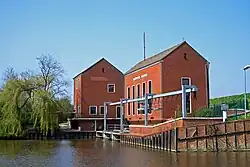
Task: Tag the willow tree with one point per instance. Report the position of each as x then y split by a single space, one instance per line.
32 97
52 86
14 98
44 111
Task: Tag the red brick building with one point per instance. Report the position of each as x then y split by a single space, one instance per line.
101 82
165 72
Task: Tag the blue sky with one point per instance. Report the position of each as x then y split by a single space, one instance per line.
79 33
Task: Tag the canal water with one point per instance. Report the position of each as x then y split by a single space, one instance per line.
98 153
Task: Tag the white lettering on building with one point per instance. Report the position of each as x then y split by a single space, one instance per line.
138 77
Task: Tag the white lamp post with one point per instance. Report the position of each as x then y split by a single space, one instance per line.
245 95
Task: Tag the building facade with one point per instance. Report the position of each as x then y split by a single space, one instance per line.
166 72
101 82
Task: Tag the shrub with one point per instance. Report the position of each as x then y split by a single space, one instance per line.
204 112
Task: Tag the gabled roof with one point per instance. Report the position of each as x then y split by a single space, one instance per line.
102 59
156 58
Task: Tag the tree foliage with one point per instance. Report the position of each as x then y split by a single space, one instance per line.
235 101
33 99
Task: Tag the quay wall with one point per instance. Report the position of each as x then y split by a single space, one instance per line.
228 136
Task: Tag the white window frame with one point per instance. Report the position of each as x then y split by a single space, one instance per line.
151 86
116 112
78 109
137 96
90 110
101 110
133 106
108 88
77 83
142 88
190 80
128 104
147 91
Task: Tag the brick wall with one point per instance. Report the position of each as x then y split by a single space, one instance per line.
141 130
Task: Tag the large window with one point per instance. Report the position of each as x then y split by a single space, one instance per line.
111 88
92 110
187 81
138 95
150 100
101 110
143 89
128 103
118 112
133 103
149 86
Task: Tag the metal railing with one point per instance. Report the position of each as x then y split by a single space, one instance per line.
116 127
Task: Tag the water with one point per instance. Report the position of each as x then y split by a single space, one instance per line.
82 153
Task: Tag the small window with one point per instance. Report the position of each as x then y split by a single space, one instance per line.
185 81
118 112
103 70
111 88
92 110
101 110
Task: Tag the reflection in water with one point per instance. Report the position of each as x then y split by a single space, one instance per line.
97 153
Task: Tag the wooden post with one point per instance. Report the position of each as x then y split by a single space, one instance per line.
235 137
225 126
176 139
197 143
169 140
186 137
216 139
206 136
162 140
245 138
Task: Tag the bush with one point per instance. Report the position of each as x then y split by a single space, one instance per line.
204 112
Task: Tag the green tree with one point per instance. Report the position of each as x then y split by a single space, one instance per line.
33 99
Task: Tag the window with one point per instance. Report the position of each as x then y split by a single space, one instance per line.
138 95
143 89
77 83
111 88
101 110
128 103
150 100
118 112
149 86
78 109
133 103
103 70
92 110
187 81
